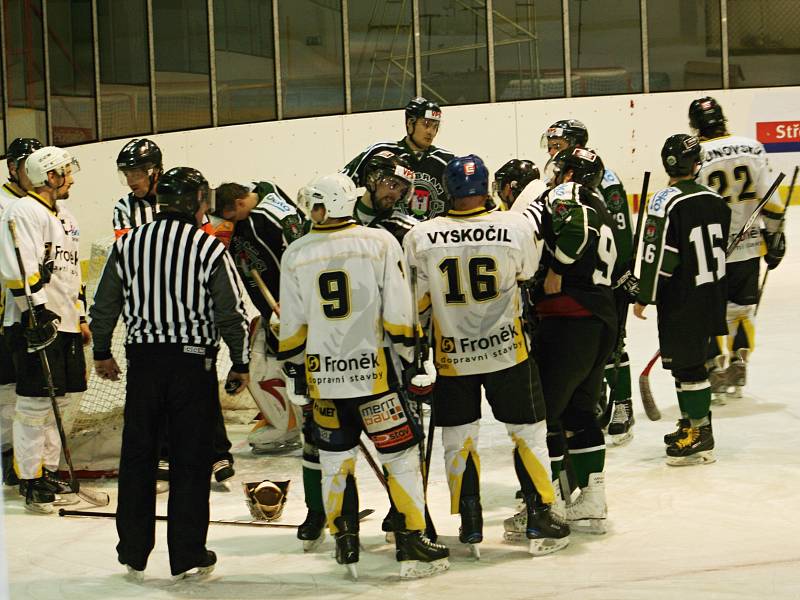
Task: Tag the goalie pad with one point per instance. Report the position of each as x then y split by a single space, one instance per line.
266 499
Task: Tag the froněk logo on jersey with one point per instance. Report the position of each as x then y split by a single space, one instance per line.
328 369
312 362
448 345
507 339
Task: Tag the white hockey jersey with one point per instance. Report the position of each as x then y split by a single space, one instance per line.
45 234
736 168
7 196
468 265
346 307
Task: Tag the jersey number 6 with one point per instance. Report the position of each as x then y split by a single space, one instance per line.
482 279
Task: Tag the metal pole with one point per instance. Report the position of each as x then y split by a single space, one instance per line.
490 47
212 63
723 35
567 49
348 99
645 47
98 108
417 56
276 43
47 91
151 58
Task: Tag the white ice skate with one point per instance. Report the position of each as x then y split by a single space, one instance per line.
133 575
588 513
269 440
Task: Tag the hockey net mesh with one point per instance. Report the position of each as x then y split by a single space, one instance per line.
94 422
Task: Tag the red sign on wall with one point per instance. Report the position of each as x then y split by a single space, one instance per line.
779 136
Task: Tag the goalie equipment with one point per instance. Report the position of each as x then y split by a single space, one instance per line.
266 499
49 158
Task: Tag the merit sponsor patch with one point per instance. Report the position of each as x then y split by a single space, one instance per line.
382 413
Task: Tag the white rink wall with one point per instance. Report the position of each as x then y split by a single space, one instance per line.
626 130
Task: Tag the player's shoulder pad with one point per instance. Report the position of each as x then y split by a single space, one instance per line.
660 201
610 178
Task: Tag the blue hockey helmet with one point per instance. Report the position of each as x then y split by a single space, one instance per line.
466 176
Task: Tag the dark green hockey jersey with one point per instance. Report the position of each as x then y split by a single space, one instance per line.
617 204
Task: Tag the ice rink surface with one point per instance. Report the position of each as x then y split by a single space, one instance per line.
726 530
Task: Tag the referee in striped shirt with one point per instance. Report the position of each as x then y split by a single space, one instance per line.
177 290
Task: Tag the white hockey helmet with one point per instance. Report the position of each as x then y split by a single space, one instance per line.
49 158
337 192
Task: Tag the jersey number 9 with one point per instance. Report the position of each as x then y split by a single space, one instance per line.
334 289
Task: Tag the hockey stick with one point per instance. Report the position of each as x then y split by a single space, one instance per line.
92 497
262 287
780 230
755 214
242 522
623 320
646 393
430 528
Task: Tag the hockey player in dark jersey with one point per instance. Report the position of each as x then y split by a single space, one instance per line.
516 184
389 183
422 118
578 325
683 273
557 137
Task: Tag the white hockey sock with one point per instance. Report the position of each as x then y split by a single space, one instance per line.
336 467
30 423
531 443
8 401
460 442
405 486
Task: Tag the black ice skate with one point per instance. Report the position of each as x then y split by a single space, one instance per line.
9 475
39 496
200 571
621 426
695 448
417 555
388 525
682 425
65 495
312 530
471 530
223 471
547 532
347 543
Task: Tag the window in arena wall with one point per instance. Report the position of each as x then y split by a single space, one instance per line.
454 51
606 47
25 69
124 69
682 55
245 61
528 49
763 42
72 100
312 57
381 54
183 85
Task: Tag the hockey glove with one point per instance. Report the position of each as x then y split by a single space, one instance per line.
44 332
420 383
629 284
776 249
296 385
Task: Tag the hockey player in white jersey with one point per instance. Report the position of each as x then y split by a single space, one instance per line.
736 168
347 335
517 183
48 237
470 264
16 187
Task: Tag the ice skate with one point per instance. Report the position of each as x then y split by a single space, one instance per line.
682 425
471 530
418 556
588 513
546 532
737 374
223 470
65 495
133 575
312 531
718 378
201 571
38 494
347 547
268 440
515 527
695 448
620 429
388 524
9 475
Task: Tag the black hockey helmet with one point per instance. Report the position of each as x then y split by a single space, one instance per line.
706 114
387 164
422 108
22 148
586 166
681 154
517 173
183 189
139 153
572 130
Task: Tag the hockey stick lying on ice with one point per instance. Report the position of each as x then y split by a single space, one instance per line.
644 379
648 402
780 230
242 522
92 497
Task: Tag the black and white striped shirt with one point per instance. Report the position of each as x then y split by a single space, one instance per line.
173 283
131 212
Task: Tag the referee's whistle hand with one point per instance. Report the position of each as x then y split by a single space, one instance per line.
235 383
107 369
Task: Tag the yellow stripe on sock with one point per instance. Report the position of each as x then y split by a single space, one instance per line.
538 474
335 499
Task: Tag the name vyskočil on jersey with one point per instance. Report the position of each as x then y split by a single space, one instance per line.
458 236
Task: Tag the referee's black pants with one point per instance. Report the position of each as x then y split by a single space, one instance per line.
165 384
